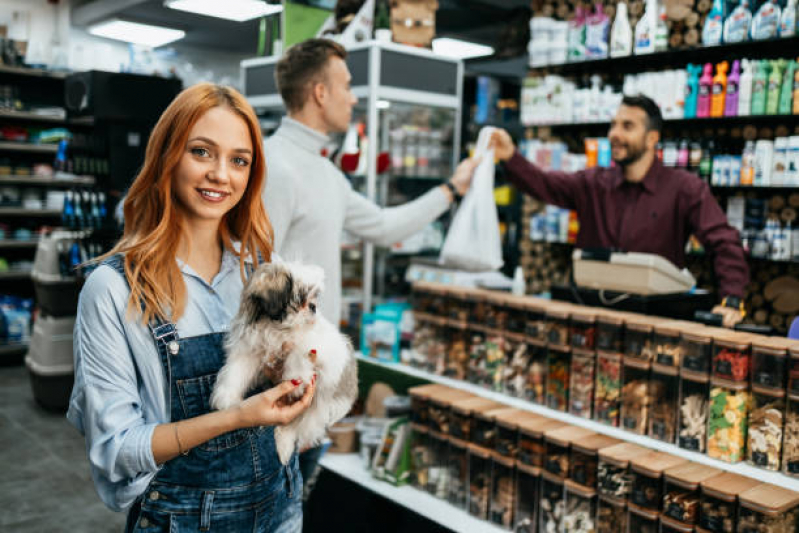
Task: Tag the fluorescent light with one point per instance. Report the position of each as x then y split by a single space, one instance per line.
460 49
238 10
134 32
383 104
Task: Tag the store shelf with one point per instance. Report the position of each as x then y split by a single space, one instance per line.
350 466
710 122
34 117
15 275
21 212
739 468
28 147
767 49
7 244
32 72
22 179
13 348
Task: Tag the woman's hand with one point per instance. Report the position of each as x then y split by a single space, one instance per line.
273 407
502 144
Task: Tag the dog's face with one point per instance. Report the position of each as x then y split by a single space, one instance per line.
283 295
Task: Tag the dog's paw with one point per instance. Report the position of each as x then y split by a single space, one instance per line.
222 398
284 442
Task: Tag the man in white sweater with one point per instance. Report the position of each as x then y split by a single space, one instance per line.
308 199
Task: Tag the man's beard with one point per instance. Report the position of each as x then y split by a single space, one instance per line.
634 153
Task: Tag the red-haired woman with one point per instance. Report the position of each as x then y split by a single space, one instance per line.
149 336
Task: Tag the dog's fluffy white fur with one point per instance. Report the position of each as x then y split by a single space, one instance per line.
273 333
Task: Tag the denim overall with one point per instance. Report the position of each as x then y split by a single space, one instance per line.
232 483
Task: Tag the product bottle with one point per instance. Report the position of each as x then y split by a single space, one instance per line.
683 153
705 89
596 34
577 35
518 287
759 81
765 24
733 81
788 19
692 90
621 36
714 24
748 164
745 88
736 27
594 98
382 22
774 85
719 90
706 164
786 91
646 28
661 32
796 90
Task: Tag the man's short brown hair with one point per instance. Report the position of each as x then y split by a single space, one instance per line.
303 65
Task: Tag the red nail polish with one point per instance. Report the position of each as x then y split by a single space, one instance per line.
296 382
313 352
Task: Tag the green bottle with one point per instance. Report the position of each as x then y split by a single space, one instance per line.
774 85
759 88
786 92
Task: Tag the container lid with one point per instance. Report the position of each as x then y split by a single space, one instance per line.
733 339
496 297
777 346
476 403
612 500
424 391
553 478
536 342
655 463
516 302
501 459
594 443
559 310
439 436
608 316
692 375
674 327
479 451
515 337
560 348
727 384
458 442
793 348
446 396
584 314
428 286
646 513
536 428
674 524
727 485
690 475
621 454
700 334
511 417
636 362
564 436
528 469
536 304
643 322
578 489
768 391
665 369
769 499
615 356
502 412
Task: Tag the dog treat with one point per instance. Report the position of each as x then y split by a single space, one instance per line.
428 346
790 447
514 379
531 439
639 339
726 435
614 477
457 464
580 511
694 391
527 498
557 444
535 390
647 490
731 356
584 459
477 356
764 444
507 430
558 379
664 394
696 350
681 494
583 330
496 353
611 517
553 506
668 345
581 389
607 395
635 399
503 495
558 326
479 481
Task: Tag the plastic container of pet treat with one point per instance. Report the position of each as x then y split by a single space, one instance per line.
693 413
668 341
420 455
614 477
517 314
790 445
458 306
535 391
557 444
641 520
635 406
611 515
552 508
768 509
681 496
503 491
728 412
428 346
610 331
492 367
664 396
607 393
583 328
697 350
647 489
766 425
478 350
515 377
558 367
580 514
497 312
557 317
477 300
484 432
438 407
507 431
455 364
584 460
479 481
422 296
531 439
581 387
731 351
669 525
461 415
718 501
535 315
769 362
438 468
458 466
420 399
639 337
439 303
528 479
793 368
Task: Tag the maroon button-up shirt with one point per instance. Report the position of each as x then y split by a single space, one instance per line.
655 216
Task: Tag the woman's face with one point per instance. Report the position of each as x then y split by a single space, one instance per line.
215 166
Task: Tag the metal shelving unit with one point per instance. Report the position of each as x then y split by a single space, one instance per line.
21 212
46 180
28 147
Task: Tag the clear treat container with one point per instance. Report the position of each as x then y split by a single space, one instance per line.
558 366
614 476
664 396
607 392
693 414
647 489
535 391
503 491
635 397
581 388
768 509
479 481
766 426
557 443
583 329
681 493
557 327
728 413
718 501
528 479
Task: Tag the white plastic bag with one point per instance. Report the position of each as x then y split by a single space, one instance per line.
473 241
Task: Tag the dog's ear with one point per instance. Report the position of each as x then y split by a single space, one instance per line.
273 302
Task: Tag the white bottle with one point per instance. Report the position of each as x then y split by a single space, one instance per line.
594 99
646 28
621 36
788 20
661 32
518 287
745 88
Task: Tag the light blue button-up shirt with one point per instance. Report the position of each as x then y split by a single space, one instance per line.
120 392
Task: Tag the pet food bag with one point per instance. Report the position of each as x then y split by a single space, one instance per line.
473 241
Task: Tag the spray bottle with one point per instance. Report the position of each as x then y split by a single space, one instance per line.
774 85
745 89
733 81
692 90
736 27
719 90
646 28
714 24
705 89
759 87
621 36
788 20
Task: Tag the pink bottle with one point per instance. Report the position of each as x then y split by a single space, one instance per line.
705 92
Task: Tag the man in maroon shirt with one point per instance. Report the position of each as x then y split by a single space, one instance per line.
639 205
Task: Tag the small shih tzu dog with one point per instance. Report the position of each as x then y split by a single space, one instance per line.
278 334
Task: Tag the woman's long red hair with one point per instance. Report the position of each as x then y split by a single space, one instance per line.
153 225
